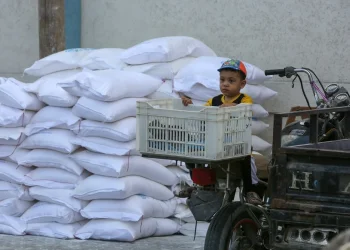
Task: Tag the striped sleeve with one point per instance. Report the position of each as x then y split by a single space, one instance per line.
247 99
209 102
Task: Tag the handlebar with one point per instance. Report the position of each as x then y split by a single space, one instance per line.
272 72
291 71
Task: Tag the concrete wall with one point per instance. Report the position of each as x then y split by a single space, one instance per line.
267 33
19 37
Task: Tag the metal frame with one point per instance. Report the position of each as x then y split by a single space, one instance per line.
314 148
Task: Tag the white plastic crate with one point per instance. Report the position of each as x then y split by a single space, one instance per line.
168 128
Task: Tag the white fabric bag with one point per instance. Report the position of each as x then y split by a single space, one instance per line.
106 229
52 117
13 118
57 196
188 229
53 139
63 60
53 178
184 213
10 172
165 91
45 158
42 212
121 166
183 177
162 71
11 190
134 208
204 71
54 230
11 136
14 207
259 127
107 146
101 187
165 49
106 111
49 92
166 227
100 59
123 130
12 94
110 85
258 93
11 225
259 144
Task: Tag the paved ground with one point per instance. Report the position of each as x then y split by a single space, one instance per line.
41 243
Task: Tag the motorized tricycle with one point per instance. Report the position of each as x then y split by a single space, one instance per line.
307 199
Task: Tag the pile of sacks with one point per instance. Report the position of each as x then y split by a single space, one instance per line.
67 141
72 147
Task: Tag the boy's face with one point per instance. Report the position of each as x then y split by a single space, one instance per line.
231 83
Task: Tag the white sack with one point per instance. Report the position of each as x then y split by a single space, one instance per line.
258 93
14 207
165 91
106 111
100 59
106 146
165 49
259 144
100 187
123 130
52 117
12 94
45 158
204 71
106 229
121 166
188 229
259 127
13 118
134 208
183 177
53 139
49 92
54 230
63 60
43 212
184 213
11 190
57 196
11 136
53 178
12 225
163 71
110 85
166 227
10 172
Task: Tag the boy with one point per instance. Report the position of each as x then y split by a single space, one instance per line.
232 79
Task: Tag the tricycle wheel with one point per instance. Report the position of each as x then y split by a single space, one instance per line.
232 229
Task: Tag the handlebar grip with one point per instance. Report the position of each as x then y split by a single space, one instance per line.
272 72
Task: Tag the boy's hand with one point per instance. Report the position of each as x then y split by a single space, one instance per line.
228 105
186 101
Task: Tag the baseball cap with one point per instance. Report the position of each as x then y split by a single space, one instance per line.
233 64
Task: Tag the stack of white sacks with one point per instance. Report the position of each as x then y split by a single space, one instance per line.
77 154
16 110
83 146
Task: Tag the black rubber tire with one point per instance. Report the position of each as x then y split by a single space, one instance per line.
221 226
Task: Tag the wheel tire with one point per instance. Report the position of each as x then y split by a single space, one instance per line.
221 227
